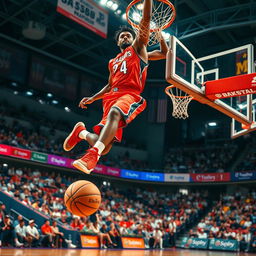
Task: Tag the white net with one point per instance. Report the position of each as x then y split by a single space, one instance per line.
162 16
180 102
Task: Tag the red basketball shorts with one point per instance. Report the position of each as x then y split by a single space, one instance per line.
130 105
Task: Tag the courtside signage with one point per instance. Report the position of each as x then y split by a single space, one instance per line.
101 169
57 160
39 157
195 243
223 244
239 176
113 171
151 176
210 177
88 241
21 153
129 174
5 150
87 13
133 242
174 177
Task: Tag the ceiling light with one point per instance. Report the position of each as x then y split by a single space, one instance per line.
212 124
67 109
41 101
49 95
118 12
109 4
139 6
15 92
5 165
55 102
114 6
124 16
29 93
136 17
14 84
103 2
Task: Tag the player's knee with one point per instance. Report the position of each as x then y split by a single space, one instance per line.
114 114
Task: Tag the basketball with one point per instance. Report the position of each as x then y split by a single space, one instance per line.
82 198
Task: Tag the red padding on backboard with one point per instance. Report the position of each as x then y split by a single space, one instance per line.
231 87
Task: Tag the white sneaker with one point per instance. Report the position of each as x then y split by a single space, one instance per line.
72 246
18 244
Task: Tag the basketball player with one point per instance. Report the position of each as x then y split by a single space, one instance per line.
121 96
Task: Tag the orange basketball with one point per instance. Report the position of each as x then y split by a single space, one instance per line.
82 198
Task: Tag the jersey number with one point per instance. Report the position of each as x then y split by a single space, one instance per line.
122 69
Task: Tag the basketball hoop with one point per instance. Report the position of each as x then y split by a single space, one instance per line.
163 15
180 101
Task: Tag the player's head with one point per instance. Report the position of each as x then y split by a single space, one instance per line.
124 37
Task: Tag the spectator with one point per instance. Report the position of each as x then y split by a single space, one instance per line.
48 234
158 238
20 231
32 234
59 240
115 235
7 234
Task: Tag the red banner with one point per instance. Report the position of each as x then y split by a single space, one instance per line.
113 171
21 153
133 242
5 150
89 241
101 169
231 87
210 177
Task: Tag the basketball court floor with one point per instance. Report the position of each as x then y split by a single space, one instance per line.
88 252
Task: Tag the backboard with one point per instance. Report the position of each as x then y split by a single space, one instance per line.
189 74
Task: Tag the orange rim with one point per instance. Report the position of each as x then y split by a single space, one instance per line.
172 95
155 29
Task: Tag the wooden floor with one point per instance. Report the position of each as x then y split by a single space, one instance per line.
88 252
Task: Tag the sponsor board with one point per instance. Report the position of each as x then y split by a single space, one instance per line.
89 241
133 242
151 176
195 243
5 150
129 174
39 157
57 160
101 169
243 176
113 171
223 244
21 153
210 177
174 177
87 13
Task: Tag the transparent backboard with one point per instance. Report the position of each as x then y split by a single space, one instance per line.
189 74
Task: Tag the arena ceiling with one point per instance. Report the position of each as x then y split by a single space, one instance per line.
205 26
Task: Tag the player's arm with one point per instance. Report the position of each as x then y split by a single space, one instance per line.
141 41
159 54
99 95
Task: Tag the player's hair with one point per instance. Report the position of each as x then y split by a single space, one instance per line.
124 29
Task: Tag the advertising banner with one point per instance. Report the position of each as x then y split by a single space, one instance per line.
5 150
39 157
195 243
240 176
21 153
223 244
89 241
113 171
151 176
129 174
133 242
101 169
210 177
175 177
87 13
57 160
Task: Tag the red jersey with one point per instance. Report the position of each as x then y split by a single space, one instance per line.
128 72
